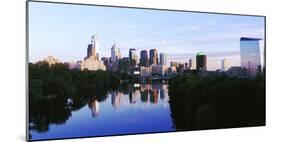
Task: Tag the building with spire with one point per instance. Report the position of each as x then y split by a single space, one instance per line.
91 61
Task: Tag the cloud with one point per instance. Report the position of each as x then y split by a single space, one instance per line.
195 28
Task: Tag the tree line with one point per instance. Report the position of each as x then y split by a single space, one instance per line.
51 87
207 102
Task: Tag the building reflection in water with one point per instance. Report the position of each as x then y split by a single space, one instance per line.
116 98
144 93
94 106
133 96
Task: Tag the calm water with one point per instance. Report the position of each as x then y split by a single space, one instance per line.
134 109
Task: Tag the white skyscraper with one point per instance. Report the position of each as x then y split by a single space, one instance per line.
224 65
114 53
115 57
192 64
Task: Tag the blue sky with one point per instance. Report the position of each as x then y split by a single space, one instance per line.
64 31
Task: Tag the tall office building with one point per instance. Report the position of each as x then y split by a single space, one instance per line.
144 60
250 55
115 57
191 64
163 59
153 57
92 50
115 53
133 58
119 56
201 62
224 65
91 61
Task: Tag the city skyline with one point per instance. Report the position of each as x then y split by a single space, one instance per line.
177 35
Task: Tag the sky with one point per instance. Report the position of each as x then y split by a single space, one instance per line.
64 32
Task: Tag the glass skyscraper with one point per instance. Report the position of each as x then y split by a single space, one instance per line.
163 59
133 57
250 55
144 60
153 57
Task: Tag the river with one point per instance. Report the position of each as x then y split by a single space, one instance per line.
137 108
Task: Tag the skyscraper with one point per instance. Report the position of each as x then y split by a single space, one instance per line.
191 64
153 57
250 54
224 65
92 49
201 62
163 59
91 61
133 57
115 53
144 61
115 57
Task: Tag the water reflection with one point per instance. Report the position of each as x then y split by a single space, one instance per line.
94 106
144 94
135 107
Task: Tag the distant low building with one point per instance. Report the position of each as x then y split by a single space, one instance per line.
51 60
237 71
172 70
145 71
105 61
158 69
74 65
92 64
174 64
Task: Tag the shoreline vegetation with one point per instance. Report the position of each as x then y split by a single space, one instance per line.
209 102
55 91
196 102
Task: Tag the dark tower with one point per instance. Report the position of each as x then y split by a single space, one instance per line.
201 62
153 57
144 58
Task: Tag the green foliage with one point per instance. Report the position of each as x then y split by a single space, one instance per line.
52 86
199 102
